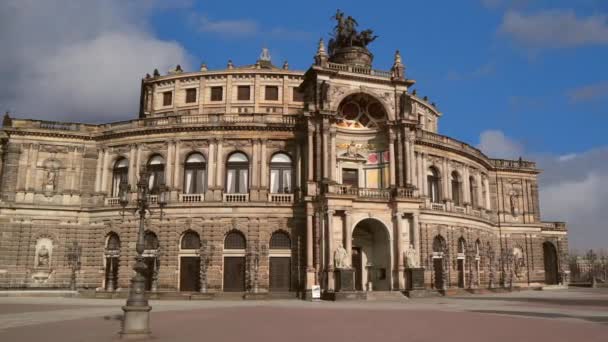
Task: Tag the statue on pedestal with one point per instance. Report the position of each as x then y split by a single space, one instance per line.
411 258
341 258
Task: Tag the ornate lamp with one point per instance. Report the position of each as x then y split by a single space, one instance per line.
136 322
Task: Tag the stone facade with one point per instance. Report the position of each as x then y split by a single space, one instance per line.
341 155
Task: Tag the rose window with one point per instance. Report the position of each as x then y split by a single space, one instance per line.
361 111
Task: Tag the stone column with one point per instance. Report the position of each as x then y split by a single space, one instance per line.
263 166
310 155
98 169
104 171
480 200
30 180
412 158
409 161
211 164
131 176
330 251
255 163
391 164
176 164
168 166
465 185
348 234
218 167
137 164
486 185
425 181
446 181
332 156
399 252
298 166
310 270
421 174
416 229
325 153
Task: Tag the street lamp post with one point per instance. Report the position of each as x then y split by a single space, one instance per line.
136 322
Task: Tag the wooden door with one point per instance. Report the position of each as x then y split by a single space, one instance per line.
112 271
280 274
460 273
358 267
189 274
550 260
234 274
438 269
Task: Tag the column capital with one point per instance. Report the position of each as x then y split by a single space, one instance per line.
347 212
330 211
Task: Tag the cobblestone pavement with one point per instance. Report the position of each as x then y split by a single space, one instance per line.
560 315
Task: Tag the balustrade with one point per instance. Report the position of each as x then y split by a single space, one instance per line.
280 198
191 198
236 198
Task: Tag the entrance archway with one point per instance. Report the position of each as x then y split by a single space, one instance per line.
234 262
280 262
151 253
439 272
112 255
371 256
550 259
189 262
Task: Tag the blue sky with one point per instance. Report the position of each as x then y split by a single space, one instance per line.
513 77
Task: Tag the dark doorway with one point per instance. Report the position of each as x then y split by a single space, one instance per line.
461 273
280 274
438 269
357 264
189 274
111 273
149 272
234 274
550 259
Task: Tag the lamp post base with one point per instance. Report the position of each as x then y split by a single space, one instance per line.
136 322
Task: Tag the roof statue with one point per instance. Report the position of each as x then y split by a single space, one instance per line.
265 55
346 35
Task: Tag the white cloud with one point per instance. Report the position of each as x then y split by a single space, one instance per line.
574 190
554 29
243 27
588 92
79 61
483 70
495 144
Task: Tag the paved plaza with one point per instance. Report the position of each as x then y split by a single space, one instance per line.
559 315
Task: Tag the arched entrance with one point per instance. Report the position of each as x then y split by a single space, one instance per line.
550 259
112 255
280 262
151 253
234 262
439 271
371 256
189 262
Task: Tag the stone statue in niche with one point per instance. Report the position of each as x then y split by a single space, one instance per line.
44 257
411 258
51 180
341 258
513 202
324 103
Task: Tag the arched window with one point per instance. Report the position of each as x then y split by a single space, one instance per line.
195 178
156 169
237 174
473 192
438 244
456 189
462 246
280 240
120 173
113 242
433 181
150 241
234 240
280 174
190 240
